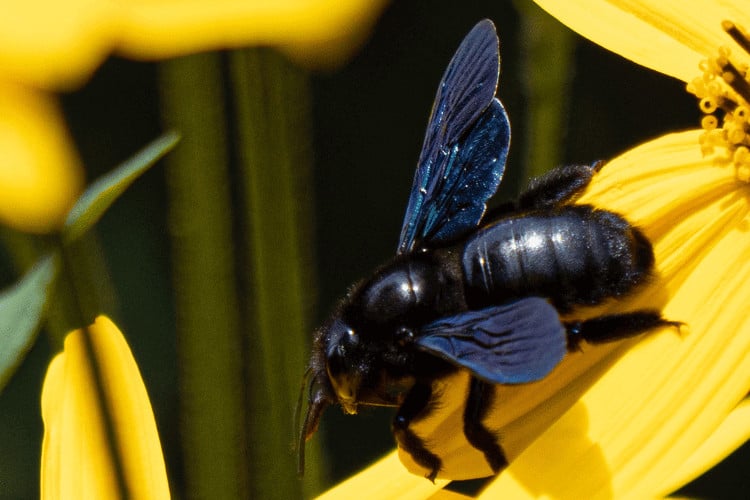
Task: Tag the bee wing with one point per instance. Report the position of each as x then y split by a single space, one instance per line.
512 343
465 146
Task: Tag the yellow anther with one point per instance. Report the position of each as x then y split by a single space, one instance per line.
736 135
714 87
742 155
723 91
708 105
709 122
743 173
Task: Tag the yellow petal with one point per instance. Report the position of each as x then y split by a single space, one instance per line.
75 458
638 424
448 495
56 45
523 412
51 44
319 30
669 36
732 433
40 176
386 478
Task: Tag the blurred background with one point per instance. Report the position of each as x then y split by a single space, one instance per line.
356 137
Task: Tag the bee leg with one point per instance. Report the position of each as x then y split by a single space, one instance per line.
478 404
415 404
614 327
557 186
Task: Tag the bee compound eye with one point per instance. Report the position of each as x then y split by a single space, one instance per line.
352 336
336 360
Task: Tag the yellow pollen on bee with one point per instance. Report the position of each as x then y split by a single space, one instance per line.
723 91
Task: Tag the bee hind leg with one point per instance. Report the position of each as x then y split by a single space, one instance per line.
614 327
478 404
415 406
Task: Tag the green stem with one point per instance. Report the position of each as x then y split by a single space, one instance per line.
548 48
212 415
272 106
86 256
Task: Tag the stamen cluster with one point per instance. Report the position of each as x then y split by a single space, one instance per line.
724 90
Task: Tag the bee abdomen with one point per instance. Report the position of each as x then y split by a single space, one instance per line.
574 255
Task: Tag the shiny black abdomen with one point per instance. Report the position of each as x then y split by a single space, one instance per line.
573 255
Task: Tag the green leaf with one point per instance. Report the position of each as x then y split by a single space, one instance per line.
104 191
21 313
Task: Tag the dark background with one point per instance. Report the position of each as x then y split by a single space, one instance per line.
368 123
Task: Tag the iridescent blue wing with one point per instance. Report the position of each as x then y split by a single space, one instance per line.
512 343
458 193
465 147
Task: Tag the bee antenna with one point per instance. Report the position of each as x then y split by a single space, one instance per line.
300 443
298 408
318 399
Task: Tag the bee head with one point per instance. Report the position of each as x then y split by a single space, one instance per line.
364 354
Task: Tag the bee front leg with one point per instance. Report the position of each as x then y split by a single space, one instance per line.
416 404
478 404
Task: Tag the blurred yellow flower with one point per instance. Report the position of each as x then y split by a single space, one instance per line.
57 45
50 46
641 418
76 458
40 174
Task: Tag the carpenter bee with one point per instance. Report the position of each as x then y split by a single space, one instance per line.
468 293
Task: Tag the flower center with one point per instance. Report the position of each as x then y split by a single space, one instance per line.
724 93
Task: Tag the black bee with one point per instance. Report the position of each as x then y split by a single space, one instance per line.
474 294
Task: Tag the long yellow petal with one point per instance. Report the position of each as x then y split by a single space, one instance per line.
733 432
386 478
40 175
669 36
75 459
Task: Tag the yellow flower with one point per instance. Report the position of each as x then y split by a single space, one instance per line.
40 174
57 45
702 42
641 418
50 46
76 458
